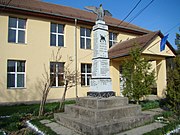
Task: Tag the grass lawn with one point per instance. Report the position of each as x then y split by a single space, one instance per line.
20 113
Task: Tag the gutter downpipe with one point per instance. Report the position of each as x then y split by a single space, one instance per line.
75 47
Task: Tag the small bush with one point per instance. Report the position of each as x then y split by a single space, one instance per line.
146 105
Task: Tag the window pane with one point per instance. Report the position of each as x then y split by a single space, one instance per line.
60 28
21 36
115 36
53 79
88 79
13 22
53 40
20 80
20 66
60 40
88 32
11 35
110 44
52 67
88 43
60 67
53 27
82 79
110 35
60 80
82 43
22 23
11 80
82 68
82 32
11 66
88 68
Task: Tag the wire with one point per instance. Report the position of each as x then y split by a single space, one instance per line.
140 11
172 28
5 6
130 12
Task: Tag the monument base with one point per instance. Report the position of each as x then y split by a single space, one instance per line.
102 116
101 94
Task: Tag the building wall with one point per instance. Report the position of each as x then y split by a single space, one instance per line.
38 54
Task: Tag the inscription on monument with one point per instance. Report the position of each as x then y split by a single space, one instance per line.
100 81
104 69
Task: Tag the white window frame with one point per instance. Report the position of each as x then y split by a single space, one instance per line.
85 37
112 40
16 73
86 74
58 34
57 73
17 29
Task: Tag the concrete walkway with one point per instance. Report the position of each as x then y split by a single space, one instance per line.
143 129
61 130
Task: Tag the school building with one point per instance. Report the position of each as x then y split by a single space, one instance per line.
32 32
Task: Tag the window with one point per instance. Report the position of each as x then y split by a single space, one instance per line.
112 38
85 74
15 74
57 34
16 31
85 38
57 74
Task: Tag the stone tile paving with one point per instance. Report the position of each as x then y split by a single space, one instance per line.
59 129
143 129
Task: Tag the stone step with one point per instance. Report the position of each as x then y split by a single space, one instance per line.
100 115
102 128
102 103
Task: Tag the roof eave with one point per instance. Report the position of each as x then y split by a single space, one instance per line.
127 29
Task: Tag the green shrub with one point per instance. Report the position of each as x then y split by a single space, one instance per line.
146 105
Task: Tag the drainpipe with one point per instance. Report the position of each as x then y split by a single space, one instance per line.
75 47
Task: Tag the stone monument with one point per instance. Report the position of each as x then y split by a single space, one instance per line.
101 116
100 84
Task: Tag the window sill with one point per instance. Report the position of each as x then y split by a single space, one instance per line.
57 87
57 46
17 43
17 88
85 86
86 49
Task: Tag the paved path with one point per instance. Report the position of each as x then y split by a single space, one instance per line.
59 129
143 129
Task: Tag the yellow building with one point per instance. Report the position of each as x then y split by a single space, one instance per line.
32 32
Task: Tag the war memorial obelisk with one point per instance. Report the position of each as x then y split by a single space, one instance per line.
100 84
101 113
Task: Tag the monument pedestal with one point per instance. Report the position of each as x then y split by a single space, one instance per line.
102 116
105 94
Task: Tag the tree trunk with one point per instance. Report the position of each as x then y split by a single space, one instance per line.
43 101
62 102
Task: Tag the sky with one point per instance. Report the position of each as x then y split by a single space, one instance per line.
163 15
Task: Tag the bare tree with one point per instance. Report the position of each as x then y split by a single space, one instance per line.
72 78
47 82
